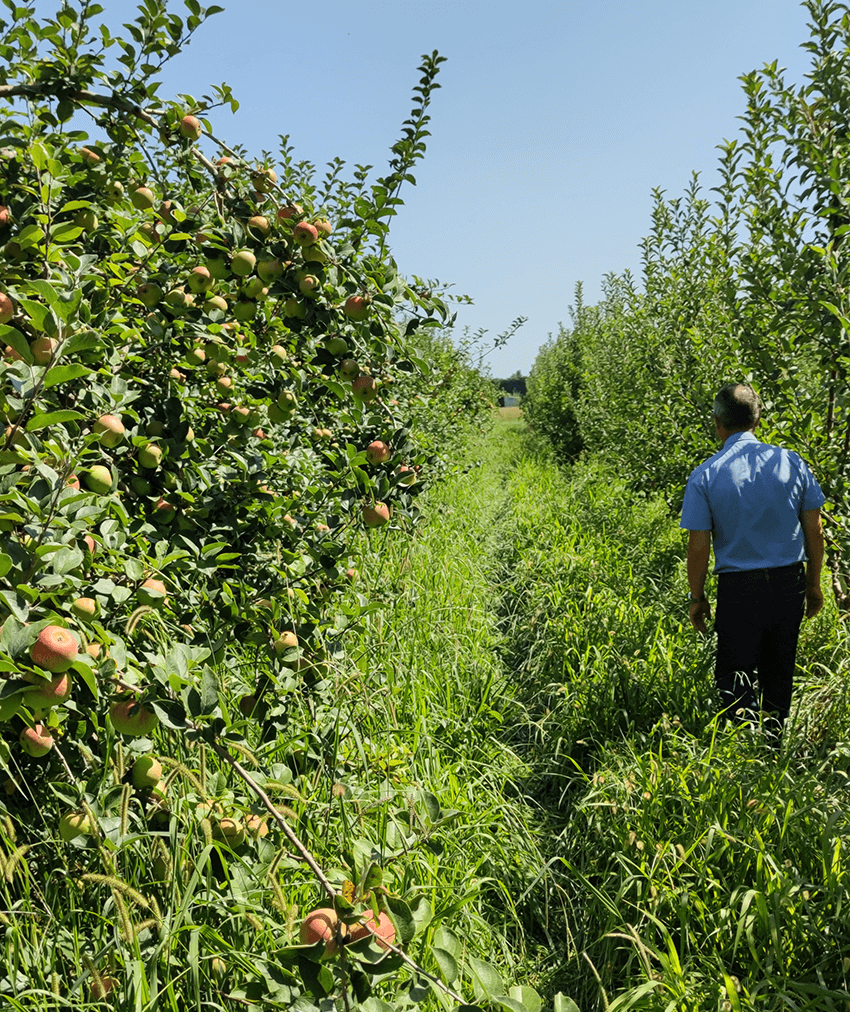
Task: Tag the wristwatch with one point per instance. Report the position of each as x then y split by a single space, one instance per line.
696 600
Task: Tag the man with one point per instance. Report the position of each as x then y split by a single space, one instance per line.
760 507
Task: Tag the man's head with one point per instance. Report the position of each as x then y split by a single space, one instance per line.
736 408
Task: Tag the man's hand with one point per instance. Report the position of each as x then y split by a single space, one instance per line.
814 601
699 612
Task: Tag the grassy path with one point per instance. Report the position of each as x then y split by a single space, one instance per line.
535 673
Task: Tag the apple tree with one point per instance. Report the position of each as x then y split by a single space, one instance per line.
200 437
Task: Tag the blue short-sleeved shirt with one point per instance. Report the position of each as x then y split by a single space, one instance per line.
750 496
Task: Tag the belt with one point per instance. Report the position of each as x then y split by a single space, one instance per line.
756 575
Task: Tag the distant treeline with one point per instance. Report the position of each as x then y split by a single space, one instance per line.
514 385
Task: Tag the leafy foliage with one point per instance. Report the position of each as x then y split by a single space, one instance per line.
200 436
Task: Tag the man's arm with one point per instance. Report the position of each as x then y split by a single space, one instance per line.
699 553
813 536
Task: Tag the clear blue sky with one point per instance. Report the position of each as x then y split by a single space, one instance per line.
553 123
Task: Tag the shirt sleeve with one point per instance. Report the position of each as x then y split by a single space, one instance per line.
812 497
696 515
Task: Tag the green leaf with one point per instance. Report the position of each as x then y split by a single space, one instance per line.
64 374
563 1003
512 1004
447 964
38 314
527 996
444 939
87 674
16 605
402 918
5 564
486 981
209 691
15 339
42 421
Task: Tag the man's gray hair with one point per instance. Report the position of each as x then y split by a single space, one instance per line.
737 407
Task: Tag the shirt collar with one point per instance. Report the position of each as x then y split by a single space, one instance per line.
740 437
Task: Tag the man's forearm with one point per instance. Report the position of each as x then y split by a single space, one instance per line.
814 551
699 554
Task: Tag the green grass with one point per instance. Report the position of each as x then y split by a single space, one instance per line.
521 733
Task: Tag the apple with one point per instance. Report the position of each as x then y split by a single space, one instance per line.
196 356
406 475
245 310
74 824
131 718
377 452
217 266
190 128
149 294
43 349
5 216
166 211
256 827
199 280
356 307
110 428
92 157
90 544
218 967
48 694
241 415
324 228
337 346
242 263
289 211
258 225
175 374
294 309
349 369
264 180
152 592
98 479
215 302
230 830
178 301
305 234
85 608
36 741
72 481
269 269
142 198
286 641
224 384
248 704
113 190
86 219
377 515
364 389
287 400
314 254
7 308
164 511
254 288
146 772
55 649
383 930
279 352
150 456
309 286
323 925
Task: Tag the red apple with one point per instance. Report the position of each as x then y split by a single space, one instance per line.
36 741
383 930
7 308
305 234
356 307
377 515
190 128
323 925
48 693
152 592
55 649
131 718
365 389
111 430
377 452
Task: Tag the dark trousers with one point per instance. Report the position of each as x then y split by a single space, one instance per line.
757 622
